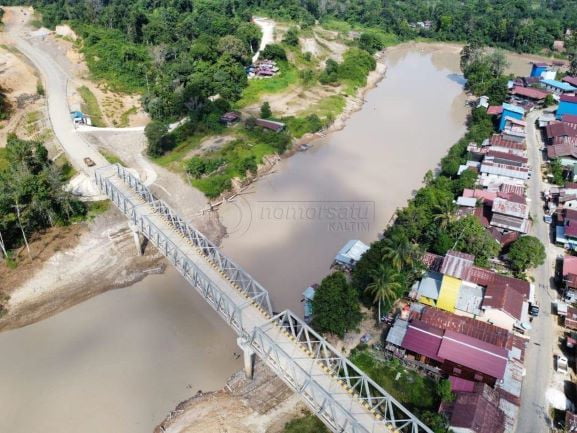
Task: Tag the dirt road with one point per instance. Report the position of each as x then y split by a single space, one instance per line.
55 82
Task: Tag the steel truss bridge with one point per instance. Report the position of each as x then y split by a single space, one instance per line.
340 394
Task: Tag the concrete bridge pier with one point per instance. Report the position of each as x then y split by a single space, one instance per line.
248 356
138 238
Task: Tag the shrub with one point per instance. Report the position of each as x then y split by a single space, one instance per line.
274 52
291 37
155 132
265 111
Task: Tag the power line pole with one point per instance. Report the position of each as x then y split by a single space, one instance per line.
3 246
22 229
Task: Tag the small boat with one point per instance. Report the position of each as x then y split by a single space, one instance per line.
304 147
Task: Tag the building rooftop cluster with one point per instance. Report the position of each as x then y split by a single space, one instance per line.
262 69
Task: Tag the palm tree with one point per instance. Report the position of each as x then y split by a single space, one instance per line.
385 286
402 255
444 214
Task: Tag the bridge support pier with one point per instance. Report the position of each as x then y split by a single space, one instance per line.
248 356
138 238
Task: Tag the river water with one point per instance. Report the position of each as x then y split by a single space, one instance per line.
289 226
121 361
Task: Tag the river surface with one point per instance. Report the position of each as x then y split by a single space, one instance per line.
289 226
121 361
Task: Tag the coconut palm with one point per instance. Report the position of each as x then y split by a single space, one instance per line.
385 286
444 214
402 255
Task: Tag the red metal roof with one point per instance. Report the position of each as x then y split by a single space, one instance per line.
568 98
512 189
505 299
465 325
571 281
511 208
571 228
530 92
499 140
432 261
569 265
569 118
423 339
570 80
457 264
494 110
462 385
476 411
474 354
507 156
561 129
486 277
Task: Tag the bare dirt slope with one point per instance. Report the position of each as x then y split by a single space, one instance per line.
72 265
261 405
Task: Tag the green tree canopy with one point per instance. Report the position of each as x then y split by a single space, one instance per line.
526 252
265 111
335 305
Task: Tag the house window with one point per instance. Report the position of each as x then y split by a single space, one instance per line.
456 370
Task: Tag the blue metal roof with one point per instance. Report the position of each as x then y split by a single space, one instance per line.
513 108
566 87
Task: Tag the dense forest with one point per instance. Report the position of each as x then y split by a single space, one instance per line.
32 197
177 53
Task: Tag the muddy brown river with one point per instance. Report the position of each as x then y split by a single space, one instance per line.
288 227
121 361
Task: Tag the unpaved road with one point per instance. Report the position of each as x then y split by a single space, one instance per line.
55 83
267 28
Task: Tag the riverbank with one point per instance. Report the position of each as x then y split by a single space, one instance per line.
261 405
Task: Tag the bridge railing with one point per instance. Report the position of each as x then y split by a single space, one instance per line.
217 299
372 396
235 273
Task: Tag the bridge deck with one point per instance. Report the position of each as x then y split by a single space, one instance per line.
319 382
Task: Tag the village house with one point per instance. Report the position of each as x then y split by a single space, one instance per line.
514 129
566 228
510 111
350 254
500 144
560 129
569 277
455 285
270 124
529 94
565 149
567 105
475 410
230 118
570 80
538 69
512 214
558 87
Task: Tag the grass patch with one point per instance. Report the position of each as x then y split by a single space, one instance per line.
68 172
3 159
232 156
411 389
336 25
306 424
257 87
90 106
124 118
111 157
179 152
95 208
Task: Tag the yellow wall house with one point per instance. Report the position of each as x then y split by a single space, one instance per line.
449 293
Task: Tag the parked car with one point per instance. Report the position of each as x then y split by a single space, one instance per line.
562 364
89 162
533 309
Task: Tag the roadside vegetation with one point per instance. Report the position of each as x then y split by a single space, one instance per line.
90 106
305 424
422 397
32 197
